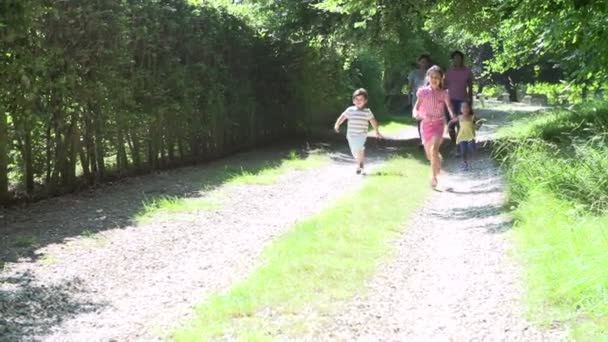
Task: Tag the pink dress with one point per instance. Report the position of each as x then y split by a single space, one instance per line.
432 111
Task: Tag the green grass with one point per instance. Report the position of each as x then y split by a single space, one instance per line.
395 124
153 208
566 253
555 164
270 174
559 125
168 205
24 241
320 261
48 260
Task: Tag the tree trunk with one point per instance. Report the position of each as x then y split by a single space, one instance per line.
99 148
135 149
49 155
57 122
4 194
72 138
511 89
28 161
88 150
180 150
122 163
84 162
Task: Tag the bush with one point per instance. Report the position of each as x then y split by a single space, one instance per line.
366 73
566 93
561 151
494 90
132 87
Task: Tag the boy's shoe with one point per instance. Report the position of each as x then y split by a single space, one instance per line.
360 168
465 166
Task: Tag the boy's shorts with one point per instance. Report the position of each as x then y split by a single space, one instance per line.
356 144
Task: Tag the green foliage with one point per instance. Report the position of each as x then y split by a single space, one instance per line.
564 248
572 176
94 90
564 92
561 151
555 93
494 90
367 73
571 33
554 163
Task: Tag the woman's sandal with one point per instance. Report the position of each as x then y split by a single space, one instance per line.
434 183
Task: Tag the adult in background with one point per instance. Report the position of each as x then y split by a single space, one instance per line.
459 83
417 79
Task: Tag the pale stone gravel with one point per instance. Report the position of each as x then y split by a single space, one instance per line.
136 283
452 278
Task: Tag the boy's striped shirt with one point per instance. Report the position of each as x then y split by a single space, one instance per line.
358 120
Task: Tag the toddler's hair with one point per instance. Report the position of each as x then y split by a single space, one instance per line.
472 112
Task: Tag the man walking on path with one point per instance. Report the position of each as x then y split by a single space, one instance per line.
459 82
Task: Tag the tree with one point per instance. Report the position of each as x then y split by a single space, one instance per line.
522 32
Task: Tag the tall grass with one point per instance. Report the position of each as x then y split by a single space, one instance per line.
576 172
565 250
556 166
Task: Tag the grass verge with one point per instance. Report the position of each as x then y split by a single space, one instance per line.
564 249
270 174
555 165
168 205
323 259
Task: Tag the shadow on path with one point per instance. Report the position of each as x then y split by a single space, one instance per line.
31 309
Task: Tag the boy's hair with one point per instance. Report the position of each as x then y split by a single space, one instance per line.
360 92
457 53
434 68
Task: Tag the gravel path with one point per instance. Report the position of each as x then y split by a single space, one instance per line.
134 283
92 274
452 278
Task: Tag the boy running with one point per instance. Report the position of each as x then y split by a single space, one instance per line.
359 117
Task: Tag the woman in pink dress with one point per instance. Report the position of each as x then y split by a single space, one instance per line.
430 106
